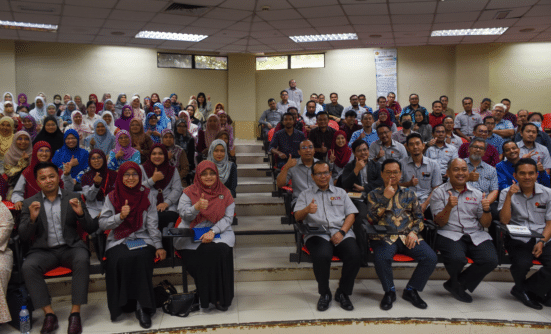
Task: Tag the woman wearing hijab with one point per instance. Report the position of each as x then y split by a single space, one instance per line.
63 107
29 126
226 138
80 105
51 134
203 105
168 108
185 140
152 129
22 101
91 115
177 156
135 104
57 102
121 102
72 154
66 114
39 111
339 155
27 186
9 111
97 182
225 126
205 137
122 152
384 118
129 212
164 182
422 126
192 128
102 138
141 141
177 106
107 116
123 121
6 260
6 138
227 170
5 98
52 111
164 121
18 156
196 117
83 130
107 106
207 207
94 97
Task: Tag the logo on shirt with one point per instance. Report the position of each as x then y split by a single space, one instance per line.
221 196
425 174
334 198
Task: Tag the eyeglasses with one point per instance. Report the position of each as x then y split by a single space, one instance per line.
306 147
322 174
127 175
481 148
44 151
96 158
389 172
482 131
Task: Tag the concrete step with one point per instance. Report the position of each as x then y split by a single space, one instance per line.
253 170
263 223
250 158
255 185
256 147
259 204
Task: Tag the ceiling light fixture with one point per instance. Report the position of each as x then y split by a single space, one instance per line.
170 36
323 38
28 26
469 32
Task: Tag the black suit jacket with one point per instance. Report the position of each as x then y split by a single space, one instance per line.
374 179
69 219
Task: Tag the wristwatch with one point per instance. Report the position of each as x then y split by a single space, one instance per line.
542 241
342 232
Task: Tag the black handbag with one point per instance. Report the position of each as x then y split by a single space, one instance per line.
181 304
162 292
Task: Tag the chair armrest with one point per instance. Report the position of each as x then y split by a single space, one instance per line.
431 225
312 229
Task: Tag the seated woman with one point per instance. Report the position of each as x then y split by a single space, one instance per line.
136 108
159 176
51 110
384 118
72 155
107 106
193 129
177 155
123 122
6 260
66 115
339 155
51 134
27 187
130 213
122 152
9 111
226 138
422 126
152 128
168 109
225 125
83 130
107 116
185 140
102 138
39 111
208 205
18 157
164 121
6 138
97 182
140 140
226 169
205 137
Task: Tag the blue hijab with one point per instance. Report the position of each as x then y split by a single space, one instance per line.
64 155
163 120
106 142
149 127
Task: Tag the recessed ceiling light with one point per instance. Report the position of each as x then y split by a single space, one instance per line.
117 33
28 26
469 32
171 36
323 38
527 30
375 36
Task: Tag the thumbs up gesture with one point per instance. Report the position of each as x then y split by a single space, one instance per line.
25 156
540 165
92 142
414 181
34 210
291 162
312 207
485 202
323 148
74 161
125 210
381 153
473 176
119 155
202 203
452 200
98 179
157 176
513 189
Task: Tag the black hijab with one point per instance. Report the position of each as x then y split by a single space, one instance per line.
54 139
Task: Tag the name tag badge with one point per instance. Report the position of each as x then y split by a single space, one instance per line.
426 175
541 205
471 200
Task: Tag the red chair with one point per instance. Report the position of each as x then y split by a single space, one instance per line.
271 134
334 125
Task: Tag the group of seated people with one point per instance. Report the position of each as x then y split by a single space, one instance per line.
460 171
124 175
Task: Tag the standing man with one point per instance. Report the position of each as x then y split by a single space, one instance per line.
385 147
436 116
413 107
366 133
286 141
399 208
462 212
528 204
354 105
269 118
440 150
50 219
295 94
330 206
392 104
491 155
334 108
285 103
504 128
467 120
322 136
445 110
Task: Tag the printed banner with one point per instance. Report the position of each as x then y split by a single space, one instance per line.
385 71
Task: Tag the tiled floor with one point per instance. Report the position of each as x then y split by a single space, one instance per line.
296 300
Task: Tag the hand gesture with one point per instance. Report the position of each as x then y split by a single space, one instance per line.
323 148
67 168
452 200
389 191
360 164
148 132
312 207
432 142
34 210
416 127
74 161
160 254
92 142
411 240
157 176
156 133
540 165
119 155
291 162
282 155
362 135
513 189
98 179
414 181
485 202
381 153
125 210
357 187
473 176
25 156
17 206
529 154
162 207
202 204
332 156
448 140
77 206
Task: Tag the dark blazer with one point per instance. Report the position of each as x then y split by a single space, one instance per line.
374 179
69 219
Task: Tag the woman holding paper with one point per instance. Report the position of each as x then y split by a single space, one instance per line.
207 207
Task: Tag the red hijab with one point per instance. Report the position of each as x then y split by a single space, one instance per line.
165 168
31 187
342 154
218 195
388 119
137 200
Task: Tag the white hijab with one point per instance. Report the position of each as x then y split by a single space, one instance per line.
111 126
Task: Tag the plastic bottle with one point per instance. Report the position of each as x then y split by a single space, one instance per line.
24 320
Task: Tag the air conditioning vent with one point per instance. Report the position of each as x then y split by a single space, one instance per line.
185 9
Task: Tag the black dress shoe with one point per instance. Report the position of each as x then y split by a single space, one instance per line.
521 295
388 299
75 324
547 300
323 302
143 318
413 297
458 293
344 300
50 324
220 307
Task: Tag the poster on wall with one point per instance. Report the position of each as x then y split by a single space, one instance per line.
385 71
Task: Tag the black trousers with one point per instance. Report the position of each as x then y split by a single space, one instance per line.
521 257
484 258
361 237
321 252
41 261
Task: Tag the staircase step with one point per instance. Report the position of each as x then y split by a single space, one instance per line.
250 158
259 204
249 148
263 223
255 185
253 170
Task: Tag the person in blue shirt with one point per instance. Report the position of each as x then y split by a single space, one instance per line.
413 107
506 168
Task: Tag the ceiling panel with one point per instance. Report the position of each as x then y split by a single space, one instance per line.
238 4
76 21
413 8
126 32
224 13
180 20
336 30
366 9
459 6
494 23
210 23
321 11
493 4
539 11
412 19
275 15
299 31
286 24
457 17
514 12
127 15
161 27
142 5
94 3
379 19
117 24
89 12
36 18
328 21
308 3
65 29
273 4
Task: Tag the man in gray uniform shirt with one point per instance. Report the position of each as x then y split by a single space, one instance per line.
295 94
